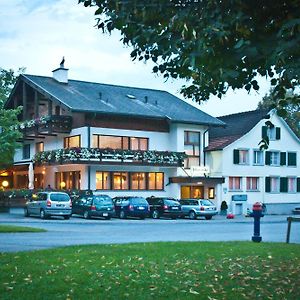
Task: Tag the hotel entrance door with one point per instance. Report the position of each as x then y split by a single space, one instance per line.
192 191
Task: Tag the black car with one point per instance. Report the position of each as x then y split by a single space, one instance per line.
164 207
131 207
94 206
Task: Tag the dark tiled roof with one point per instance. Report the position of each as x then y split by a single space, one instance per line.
237 125
112 99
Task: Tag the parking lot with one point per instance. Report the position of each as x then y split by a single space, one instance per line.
77 231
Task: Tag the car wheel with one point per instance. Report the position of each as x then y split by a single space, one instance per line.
86 215
26 213
155 214
66 217
192 215
43 214
122 215
107 218
208 217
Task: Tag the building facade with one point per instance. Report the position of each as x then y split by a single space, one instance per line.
270 176
114 139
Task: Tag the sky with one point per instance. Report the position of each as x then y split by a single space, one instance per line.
36 34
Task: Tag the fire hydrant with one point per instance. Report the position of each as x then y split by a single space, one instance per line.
256 214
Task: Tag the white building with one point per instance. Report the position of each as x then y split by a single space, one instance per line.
271 176
120 140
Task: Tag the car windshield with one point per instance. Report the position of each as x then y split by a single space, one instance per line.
59 197
103 200
206 203
171 202
139 201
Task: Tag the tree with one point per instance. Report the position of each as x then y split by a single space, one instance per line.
8 118
291 104
213 44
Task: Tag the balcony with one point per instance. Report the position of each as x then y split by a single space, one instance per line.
110 156
46 125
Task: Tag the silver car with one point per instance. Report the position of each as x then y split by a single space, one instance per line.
198 207
47 204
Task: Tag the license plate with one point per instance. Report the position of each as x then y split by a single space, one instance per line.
105 214
60 205
140 207
175 207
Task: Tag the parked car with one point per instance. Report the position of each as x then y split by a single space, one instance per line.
94 206
131 207
164 207
48 204
194 208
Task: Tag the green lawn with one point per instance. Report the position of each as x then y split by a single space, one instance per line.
12 228
234 270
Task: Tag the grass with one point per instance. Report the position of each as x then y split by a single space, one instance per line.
12 228
182 270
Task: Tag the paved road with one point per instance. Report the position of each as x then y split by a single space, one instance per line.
77 231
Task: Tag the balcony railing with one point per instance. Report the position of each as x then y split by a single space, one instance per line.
110 156
47 124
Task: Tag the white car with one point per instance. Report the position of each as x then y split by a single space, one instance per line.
47 204
198 207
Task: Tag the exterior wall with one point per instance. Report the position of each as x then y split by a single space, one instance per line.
222 161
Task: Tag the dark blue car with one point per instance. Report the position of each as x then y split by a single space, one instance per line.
131 207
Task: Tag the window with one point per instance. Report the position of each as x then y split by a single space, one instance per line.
26 151
252 183
120 180
258 157
156 181
39 147
292 185
211 193
103 181
119 142
273 158
67 180
272 133
272 184
72 141
235 183
292 159
138 181
241 156
192 148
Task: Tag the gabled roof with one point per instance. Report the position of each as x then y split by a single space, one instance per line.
108 99
237 125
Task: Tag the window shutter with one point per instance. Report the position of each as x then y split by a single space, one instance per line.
264 132
298 184
292 157
267 185
283 184
236 156
268 158
277 133
282 158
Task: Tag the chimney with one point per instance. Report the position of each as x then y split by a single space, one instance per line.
61 74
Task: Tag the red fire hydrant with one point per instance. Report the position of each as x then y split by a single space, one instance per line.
256 214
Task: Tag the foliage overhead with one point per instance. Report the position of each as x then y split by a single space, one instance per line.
213 44
291 110
8 118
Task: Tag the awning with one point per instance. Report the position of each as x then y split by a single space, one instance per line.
197 180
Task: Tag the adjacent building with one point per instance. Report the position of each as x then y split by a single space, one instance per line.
270 176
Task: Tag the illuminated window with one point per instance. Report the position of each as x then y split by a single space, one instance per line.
72 141
120 181
103 181
67 180
155 181
138 181
39 147
211 193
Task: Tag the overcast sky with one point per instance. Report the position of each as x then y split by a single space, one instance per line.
35 34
